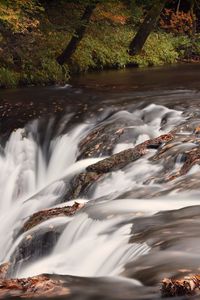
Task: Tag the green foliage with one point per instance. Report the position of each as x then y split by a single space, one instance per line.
165 51
48 72
8 78
20 14
187 47
105 44
105 48
137 10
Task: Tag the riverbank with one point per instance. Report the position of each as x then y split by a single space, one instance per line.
31 41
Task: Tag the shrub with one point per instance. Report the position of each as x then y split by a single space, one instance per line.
177 22
48 72
8 78
165 51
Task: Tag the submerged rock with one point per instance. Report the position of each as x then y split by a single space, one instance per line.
39 241
34 245
102 140
69 287
189 158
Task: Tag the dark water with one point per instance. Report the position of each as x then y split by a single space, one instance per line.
172 234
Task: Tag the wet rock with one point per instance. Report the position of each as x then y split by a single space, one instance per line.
137 193
174 240
34 245
99 143
192 157
189 286
102 140
38 286
39 242
123 158
191 182
47 214
4 269
69 287
81 184
116 161
189 159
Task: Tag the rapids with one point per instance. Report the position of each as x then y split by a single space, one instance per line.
137 225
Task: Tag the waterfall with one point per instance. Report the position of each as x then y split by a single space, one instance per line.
95 242
29 184
90 248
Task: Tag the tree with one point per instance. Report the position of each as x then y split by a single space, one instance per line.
192 7
66 55
146 27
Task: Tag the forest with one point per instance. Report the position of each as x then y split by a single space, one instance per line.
45 42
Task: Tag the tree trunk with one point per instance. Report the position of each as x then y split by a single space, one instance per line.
193 20
77 36
146 27
178 6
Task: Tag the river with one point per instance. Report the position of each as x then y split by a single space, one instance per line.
140 221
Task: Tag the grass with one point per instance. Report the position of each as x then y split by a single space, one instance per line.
8 78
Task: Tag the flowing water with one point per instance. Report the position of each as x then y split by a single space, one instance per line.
137 226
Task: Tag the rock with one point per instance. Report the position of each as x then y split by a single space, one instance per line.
116 161
102 140
188 286
38 243
192 157
34 245
80 185
38 286
123 158
4 269
189 159
98 143
47 214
